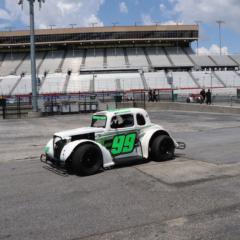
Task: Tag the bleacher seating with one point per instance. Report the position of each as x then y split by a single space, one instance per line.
72 61
25 67
24 86
125 78
223 60
158 57
129 81
178 57
10 63
94 59
183 80
202 60
137 57
205 81
53 83
106 82
230 78
79 83
157 80
115 58
7 83
236 58
51 62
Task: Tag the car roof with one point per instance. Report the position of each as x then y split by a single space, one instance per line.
112 112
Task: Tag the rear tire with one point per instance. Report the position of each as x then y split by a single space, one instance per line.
87 159
162 148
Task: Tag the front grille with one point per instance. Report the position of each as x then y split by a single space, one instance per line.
58 146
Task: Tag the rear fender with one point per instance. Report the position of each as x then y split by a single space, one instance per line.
149 136
70 147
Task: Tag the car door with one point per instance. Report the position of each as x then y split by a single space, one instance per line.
123 141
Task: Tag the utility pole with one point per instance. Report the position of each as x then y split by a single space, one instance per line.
33 59
198 22
220 22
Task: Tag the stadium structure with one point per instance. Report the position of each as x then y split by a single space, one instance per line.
110 59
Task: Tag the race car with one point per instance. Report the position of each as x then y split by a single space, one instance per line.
113 137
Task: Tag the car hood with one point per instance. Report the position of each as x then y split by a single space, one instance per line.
78 131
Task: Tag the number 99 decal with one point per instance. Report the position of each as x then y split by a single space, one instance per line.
123 144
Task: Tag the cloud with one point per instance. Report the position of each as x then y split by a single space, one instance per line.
162 7
60 13
171 22
4 15
123 7
147 19
209 11
214 49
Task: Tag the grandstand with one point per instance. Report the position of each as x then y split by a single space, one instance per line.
112 59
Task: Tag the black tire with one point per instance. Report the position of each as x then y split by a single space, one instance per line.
162 148
87 159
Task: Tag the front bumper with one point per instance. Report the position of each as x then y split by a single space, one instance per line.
51 161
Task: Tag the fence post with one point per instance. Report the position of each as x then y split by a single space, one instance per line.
18 107
3 104
144 100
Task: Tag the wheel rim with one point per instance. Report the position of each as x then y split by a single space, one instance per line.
89 160
166 147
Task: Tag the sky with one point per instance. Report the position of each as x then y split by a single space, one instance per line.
61 13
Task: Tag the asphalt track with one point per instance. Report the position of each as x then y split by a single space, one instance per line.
194 196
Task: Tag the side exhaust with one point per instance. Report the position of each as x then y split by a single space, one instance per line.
181 145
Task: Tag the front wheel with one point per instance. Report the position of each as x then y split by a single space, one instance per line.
87 159
162 148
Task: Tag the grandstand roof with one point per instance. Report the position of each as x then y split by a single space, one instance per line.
187 33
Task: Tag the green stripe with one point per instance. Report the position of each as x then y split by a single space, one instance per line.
99 117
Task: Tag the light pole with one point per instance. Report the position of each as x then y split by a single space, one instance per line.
211 79
73 24
198 22
94 76
51 26
170 82
220 22
33 59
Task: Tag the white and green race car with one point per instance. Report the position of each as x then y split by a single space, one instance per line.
114 136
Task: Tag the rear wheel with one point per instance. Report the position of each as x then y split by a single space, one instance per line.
87 159
162 148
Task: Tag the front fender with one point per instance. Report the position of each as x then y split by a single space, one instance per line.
145 140
70 147
49 148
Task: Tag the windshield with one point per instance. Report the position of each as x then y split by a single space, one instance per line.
99 121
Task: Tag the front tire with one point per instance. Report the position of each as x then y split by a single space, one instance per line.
162 148
87 159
